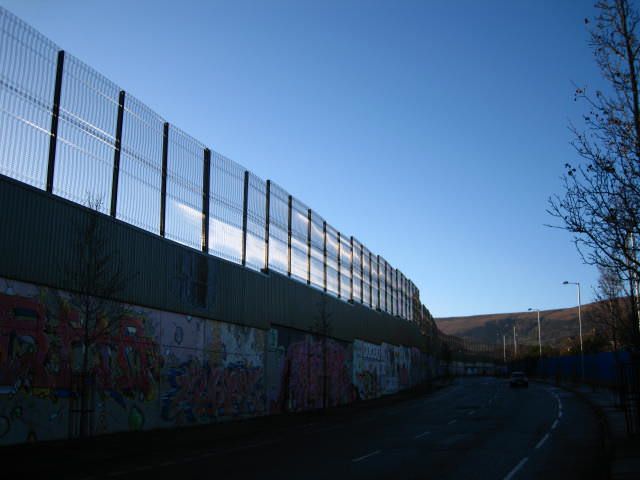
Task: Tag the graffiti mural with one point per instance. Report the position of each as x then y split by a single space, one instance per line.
307 371
160 370
153 370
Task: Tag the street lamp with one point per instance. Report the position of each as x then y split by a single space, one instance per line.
577 284
539 335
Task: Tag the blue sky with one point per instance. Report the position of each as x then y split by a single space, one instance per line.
433 131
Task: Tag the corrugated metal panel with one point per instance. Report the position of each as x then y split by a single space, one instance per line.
168 276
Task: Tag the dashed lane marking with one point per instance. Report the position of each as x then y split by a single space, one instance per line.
515 470
541 442
364 457
421 435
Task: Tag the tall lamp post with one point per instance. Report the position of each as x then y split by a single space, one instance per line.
539 334
577 284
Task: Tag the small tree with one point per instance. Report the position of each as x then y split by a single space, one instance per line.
322 327
97 278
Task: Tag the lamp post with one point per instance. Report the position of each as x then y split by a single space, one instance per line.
577 284
515 343
539 334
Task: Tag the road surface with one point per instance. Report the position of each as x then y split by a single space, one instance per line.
475 428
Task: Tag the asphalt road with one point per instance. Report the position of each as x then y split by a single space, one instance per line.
475 428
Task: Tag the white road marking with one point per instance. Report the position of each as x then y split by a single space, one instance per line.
359 459
560 414
452 421
471 412
421 435
541 442
555 424
516 468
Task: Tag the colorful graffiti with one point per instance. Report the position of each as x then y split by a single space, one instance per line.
152 370
308 371
159 370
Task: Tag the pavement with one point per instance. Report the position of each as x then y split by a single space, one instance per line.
624 450
471 428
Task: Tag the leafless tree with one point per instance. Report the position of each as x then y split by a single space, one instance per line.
601 200
96 275
323 328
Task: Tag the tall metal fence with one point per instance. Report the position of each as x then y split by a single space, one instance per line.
66 129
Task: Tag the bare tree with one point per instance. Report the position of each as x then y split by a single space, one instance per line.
601 200
322 327
97 277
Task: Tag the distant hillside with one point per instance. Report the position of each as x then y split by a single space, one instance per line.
557 325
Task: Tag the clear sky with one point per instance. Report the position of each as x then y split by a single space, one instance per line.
433 131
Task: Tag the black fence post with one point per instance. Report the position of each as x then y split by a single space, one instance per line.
370 282
309 246
361 273
55 116
163 188
245 207
206 185
378 273
386 288
116 155
267 220
289 219
324 255
339 266
351 272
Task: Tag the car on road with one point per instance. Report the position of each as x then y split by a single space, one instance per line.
518 379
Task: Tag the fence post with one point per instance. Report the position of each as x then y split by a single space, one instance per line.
386 288
163 188
378 273
324 255
351 272
55 115
267 220
309 246
339 266
245 207
362 273
370 282
206 185
116 155
289 236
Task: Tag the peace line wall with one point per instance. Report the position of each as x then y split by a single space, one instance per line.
203 340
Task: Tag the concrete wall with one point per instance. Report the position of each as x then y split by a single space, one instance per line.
162 370
203 340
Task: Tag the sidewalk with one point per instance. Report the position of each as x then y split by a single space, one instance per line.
624 450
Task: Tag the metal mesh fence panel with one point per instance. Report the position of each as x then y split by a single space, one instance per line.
278 229
140 176
299 232
226 193
366 277
256 218
392 291
184 189
317 250
332 260
357 271
82 161
345 267
86 136
27 79
384 299
374 282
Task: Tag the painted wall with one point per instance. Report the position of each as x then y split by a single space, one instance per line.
161 370
155 370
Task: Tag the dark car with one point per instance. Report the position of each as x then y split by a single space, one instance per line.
518 379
